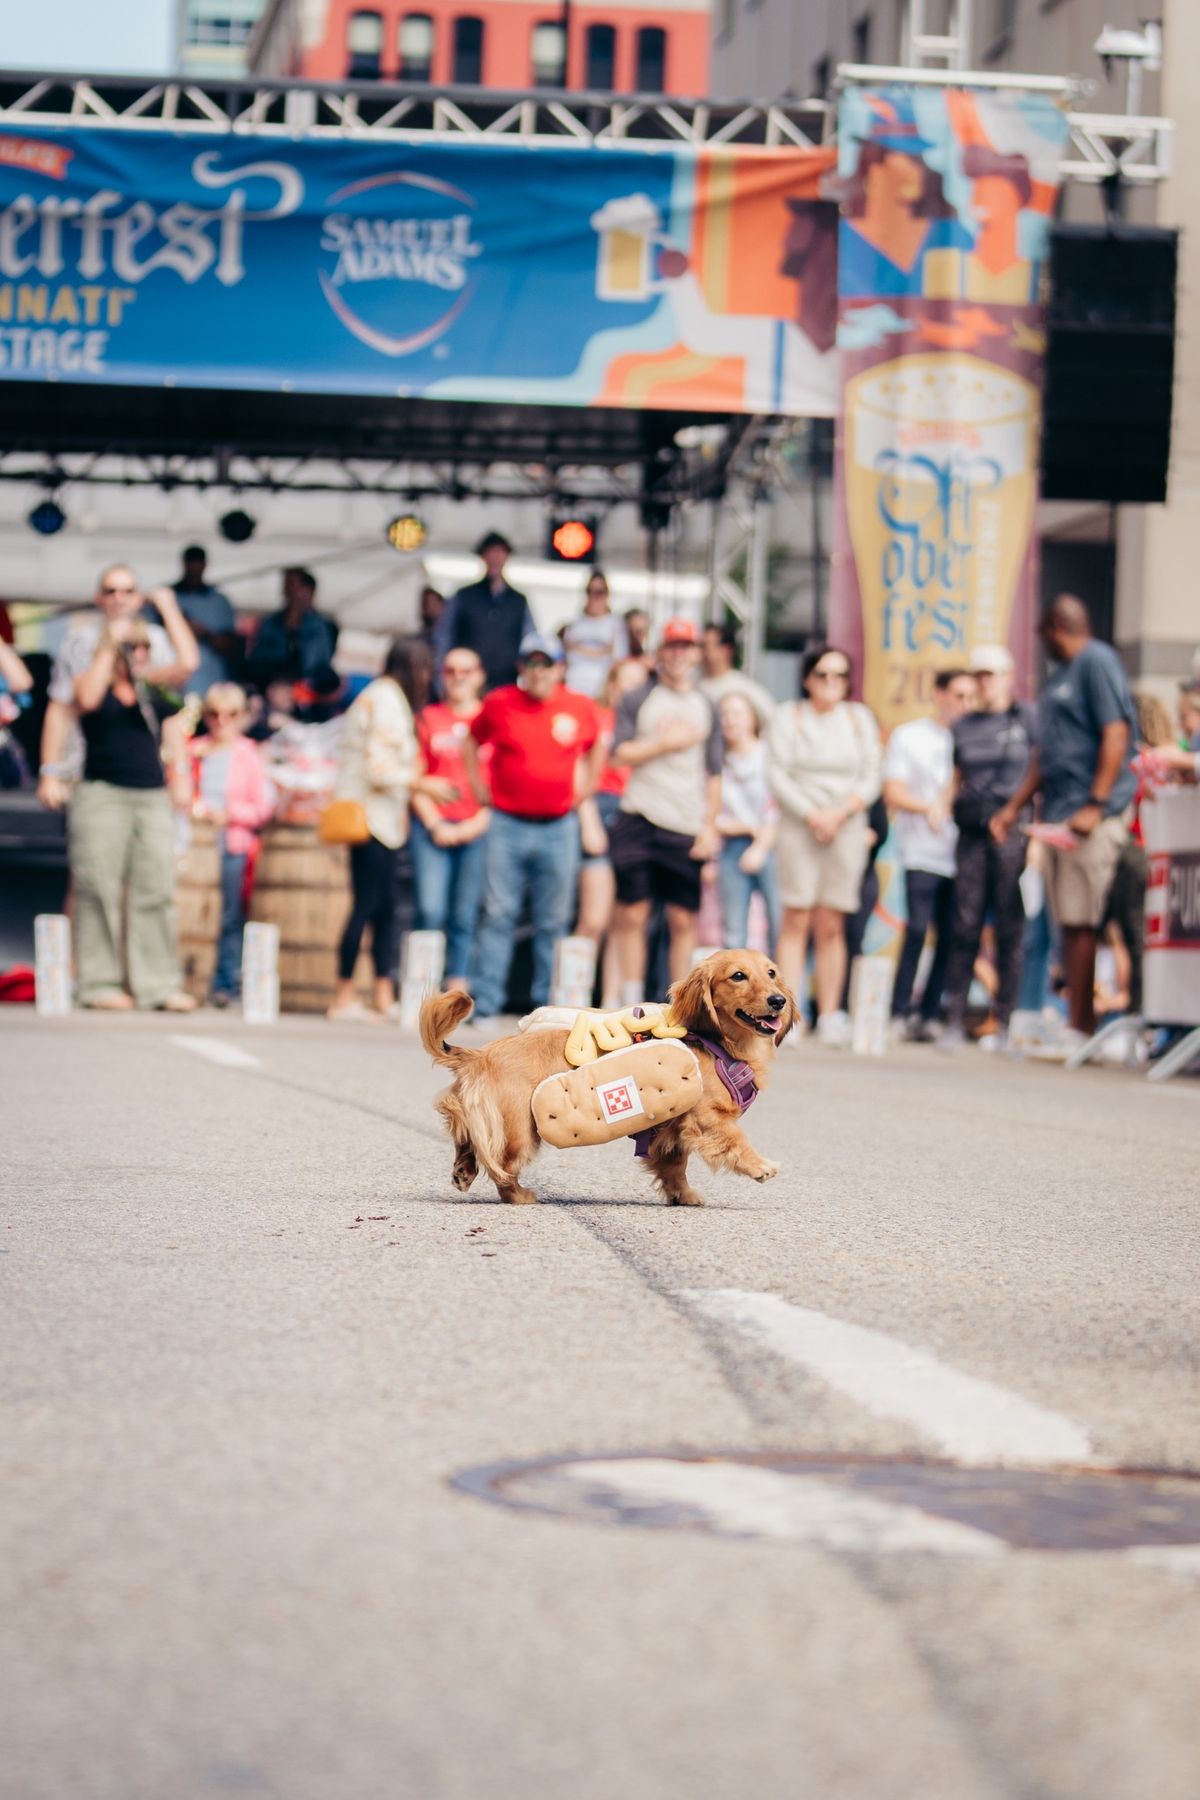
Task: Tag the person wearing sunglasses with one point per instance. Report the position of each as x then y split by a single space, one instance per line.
173 655
121 829
448 844
825 766
233 792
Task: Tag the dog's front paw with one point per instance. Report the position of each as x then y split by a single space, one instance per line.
767 1171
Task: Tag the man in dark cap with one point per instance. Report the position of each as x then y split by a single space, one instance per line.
210 615
488 617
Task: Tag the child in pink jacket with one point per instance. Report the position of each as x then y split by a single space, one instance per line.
231 789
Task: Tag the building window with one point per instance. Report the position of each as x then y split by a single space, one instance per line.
820 79
219 31
651 76
468 53
549 49
860 51
415 45
364 43
601 59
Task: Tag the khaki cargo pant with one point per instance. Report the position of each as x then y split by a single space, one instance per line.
122 849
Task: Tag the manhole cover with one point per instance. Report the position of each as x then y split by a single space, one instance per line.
864 1504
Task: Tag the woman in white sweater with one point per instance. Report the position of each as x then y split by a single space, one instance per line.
825 771
378 765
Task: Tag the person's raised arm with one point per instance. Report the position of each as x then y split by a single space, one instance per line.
97 678
183 642
13 670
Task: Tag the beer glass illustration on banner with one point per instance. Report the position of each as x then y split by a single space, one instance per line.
941 474
628 228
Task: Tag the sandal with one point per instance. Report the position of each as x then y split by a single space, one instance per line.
109 1000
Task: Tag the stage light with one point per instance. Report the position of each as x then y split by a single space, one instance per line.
46 518
572 540
407 532
237 526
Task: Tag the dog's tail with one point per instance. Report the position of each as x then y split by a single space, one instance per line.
439 1015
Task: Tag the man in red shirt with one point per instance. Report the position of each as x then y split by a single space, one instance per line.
546 757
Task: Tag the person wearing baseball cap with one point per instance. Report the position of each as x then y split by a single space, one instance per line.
546 757
668 736
488 616
993 748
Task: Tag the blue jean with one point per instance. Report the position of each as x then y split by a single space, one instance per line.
449 891
538 858
736 890
227 976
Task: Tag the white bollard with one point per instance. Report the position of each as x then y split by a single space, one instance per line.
870 1004
574 972
424 963
52 964
260 974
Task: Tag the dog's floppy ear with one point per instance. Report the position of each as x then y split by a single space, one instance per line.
792 1016
692 1002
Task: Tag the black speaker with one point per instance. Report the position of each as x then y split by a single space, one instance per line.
1110 362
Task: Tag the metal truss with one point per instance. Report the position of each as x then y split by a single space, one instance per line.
357 110
395 480
1102 145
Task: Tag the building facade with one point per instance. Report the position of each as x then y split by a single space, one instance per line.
212 37
1133 564
613 46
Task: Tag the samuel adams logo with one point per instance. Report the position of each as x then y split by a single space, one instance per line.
399 279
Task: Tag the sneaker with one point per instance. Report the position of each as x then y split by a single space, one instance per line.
923 1031
833 1030
221 1000
996 1043
952 1040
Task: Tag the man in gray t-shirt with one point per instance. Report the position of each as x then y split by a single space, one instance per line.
1087 733
668 736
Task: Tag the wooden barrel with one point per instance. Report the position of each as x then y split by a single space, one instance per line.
303 886
198 908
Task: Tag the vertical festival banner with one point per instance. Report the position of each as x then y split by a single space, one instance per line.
946 198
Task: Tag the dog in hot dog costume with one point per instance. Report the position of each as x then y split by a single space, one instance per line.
679 1084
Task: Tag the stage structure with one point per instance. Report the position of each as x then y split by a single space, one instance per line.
613 299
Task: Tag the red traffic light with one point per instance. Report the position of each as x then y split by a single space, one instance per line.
572 540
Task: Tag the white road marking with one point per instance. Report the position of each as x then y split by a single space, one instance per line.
764 1503
970 1420
1176 1559
218 1051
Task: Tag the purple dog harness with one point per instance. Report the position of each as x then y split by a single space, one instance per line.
737 1078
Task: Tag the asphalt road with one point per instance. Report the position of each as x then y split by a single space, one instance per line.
250 1338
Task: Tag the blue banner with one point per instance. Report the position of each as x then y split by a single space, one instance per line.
676 278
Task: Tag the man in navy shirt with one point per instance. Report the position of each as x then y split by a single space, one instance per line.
489 617
1087 733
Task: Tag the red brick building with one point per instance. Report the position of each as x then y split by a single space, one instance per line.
619 46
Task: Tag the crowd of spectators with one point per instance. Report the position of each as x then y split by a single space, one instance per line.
649 798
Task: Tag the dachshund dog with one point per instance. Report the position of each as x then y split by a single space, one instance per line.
734 998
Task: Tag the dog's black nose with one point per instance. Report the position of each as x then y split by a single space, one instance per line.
776 1002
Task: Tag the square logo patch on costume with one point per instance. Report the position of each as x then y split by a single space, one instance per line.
619 1099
